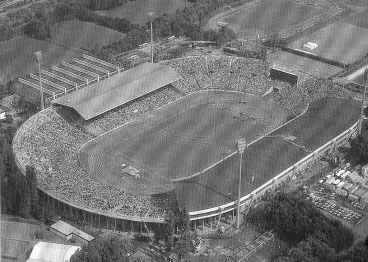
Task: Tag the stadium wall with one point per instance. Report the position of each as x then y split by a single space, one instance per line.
278 180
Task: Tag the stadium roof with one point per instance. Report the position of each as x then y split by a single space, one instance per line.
52 252
119 89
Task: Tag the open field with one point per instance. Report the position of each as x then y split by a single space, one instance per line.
16 239
269 156
136 11
85 35
340 42
269 16
178 140
17 56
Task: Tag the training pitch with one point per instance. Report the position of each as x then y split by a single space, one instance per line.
339 42
269 16
136 11
178 140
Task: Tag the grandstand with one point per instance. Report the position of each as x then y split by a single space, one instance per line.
51 143
104 96
70 76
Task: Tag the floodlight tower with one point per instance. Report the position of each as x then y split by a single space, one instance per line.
241 144
363 99
38 55
151 16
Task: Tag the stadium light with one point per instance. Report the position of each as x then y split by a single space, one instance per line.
151 16
365 77
241 144
38 56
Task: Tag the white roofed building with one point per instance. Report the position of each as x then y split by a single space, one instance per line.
52 252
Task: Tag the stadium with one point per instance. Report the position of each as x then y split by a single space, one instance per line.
125 151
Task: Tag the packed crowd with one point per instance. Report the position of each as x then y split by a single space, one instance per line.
297 98
223 73
50 143
127 112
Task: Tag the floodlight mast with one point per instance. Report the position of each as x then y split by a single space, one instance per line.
241 144
363 100
150 18
38 55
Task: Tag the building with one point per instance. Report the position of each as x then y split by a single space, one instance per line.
69 232
52 252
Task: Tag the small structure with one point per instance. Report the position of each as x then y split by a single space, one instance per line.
365 171
69 232
52 252
310 46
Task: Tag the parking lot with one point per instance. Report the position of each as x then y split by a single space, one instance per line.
343 213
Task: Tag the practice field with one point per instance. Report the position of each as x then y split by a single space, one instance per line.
17 56
178 140
136 11
85 35
269 156
16 239
340 42
270 16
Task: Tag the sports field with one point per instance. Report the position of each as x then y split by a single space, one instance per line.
178 140
341 42
85 35
136 11
324 120
270 16
17 56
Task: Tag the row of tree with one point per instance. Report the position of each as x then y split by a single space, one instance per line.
186 22
19 194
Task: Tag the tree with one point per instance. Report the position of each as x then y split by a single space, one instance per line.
31 187
169 230
38 28
109 249
359 146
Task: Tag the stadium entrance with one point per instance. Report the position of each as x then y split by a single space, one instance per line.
284 75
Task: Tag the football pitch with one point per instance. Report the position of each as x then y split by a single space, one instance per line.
178 140
269 16
266 158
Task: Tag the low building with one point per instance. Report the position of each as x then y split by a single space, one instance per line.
360 192
365 170
69 232
52 252
341 192
364 199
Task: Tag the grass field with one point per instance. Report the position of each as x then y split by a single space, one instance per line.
16 239
341 42
136 11
269 16
178 140
269 156
17 56
85 35
329 117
